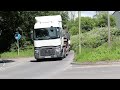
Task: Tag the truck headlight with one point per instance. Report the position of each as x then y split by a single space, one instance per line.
36 50
58 49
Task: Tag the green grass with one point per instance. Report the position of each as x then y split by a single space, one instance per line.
101 53
22 53
95 47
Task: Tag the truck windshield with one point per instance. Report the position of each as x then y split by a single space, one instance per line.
46 33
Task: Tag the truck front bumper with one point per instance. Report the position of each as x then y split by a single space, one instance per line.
41 54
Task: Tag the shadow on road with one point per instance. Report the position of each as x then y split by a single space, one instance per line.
46 60
6 61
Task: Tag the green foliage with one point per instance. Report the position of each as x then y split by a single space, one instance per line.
102 53
88 23
23 53
10 21
73 30
94 38
102 20
22 21
95 46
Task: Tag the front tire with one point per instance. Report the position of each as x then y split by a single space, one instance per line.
38 60
64 53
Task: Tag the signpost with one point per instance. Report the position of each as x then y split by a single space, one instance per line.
17 37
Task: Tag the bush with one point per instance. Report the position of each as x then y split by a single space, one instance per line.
102 20
101 53
73 30
87 24
23 44
94 38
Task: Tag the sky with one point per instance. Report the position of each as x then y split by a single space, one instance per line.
91 13
88 13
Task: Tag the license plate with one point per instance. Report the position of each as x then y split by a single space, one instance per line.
47 56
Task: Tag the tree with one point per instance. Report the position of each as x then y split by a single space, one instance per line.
72 14
10 21
87 23
102 20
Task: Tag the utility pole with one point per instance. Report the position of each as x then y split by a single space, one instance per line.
0 35
79 17
109 41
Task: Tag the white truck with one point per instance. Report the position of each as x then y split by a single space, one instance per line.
49 38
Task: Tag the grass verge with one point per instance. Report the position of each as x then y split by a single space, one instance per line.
101 53
95 47
22 53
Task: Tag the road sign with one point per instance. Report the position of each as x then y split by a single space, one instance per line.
17 36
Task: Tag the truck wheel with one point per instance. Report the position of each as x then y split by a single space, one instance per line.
65 55
37 60
62 55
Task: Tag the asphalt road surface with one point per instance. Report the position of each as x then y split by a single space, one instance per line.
28 68
90 72
31 69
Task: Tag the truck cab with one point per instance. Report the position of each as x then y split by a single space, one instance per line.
48 36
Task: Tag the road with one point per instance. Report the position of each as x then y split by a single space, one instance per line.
31 69
90 72
28 68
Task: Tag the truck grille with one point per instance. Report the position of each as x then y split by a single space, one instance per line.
47 51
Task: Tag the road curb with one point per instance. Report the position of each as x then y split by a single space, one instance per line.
76 63
97 63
